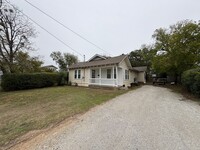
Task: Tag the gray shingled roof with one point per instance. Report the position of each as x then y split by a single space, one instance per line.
108 61
50 66
140 69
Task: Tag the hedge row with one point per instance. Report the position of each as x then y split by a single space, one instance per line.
191 80
11 82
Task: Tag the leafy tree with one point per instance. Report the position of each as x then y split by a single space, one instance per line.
181 43
15 34
143 56
64 60
25 64
136 58
47 69
70 59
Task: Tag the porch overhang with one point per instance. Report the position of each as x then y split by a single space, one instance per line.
93 66
104 76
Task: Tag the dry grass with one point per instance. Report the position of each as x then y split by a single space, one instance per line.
180 89
24 111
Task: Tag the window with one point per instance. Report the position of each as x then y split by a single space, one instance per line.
126 75
77 74
108 73
93 73
115 76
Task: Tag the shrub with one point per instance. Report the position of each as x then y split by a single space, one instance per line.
63 80
12 82
191 80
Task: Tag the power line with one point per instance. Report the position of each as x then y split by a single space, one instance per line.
66 27
45 29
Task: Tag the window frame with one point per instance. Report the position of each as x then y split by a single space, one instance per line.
126 74
77 74
93 74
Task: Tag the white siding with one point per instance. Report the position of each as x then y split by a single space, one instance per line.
132 75
86 75
103 73
141 77
83 81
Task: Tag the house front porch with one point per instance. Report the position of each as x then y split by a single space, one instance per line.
105 76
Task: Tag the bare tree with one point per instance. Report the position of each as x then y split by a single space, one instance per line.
16 32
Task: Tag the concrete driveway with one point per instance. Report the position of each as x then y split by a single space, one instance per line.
149 118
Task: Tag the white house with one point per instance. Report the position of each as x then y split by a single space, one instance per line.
106 71
50 68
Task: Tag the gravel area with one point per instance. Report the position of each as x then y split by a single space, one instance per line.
149 118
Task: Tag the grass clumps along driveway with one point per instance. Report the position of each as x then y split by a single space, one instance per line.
24 111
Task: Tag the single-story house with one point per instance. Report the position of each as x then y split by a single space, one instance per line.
50 68
106 71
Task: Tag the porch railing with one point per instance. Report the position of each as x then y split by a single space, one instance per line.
101 81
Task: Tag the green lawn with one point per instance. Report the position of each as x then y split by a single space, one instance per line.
23 111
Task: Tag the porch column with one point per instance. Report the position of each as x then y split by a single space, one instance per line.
100 75
113 77
117 75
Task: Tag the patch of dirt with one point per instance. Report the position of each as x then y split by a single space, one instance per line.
37 136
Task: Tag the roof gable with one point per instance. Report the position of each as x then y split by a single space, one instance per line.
96 58
128 62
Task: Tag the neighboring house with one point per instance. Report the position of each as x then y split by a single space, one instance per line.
106 71
51 68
